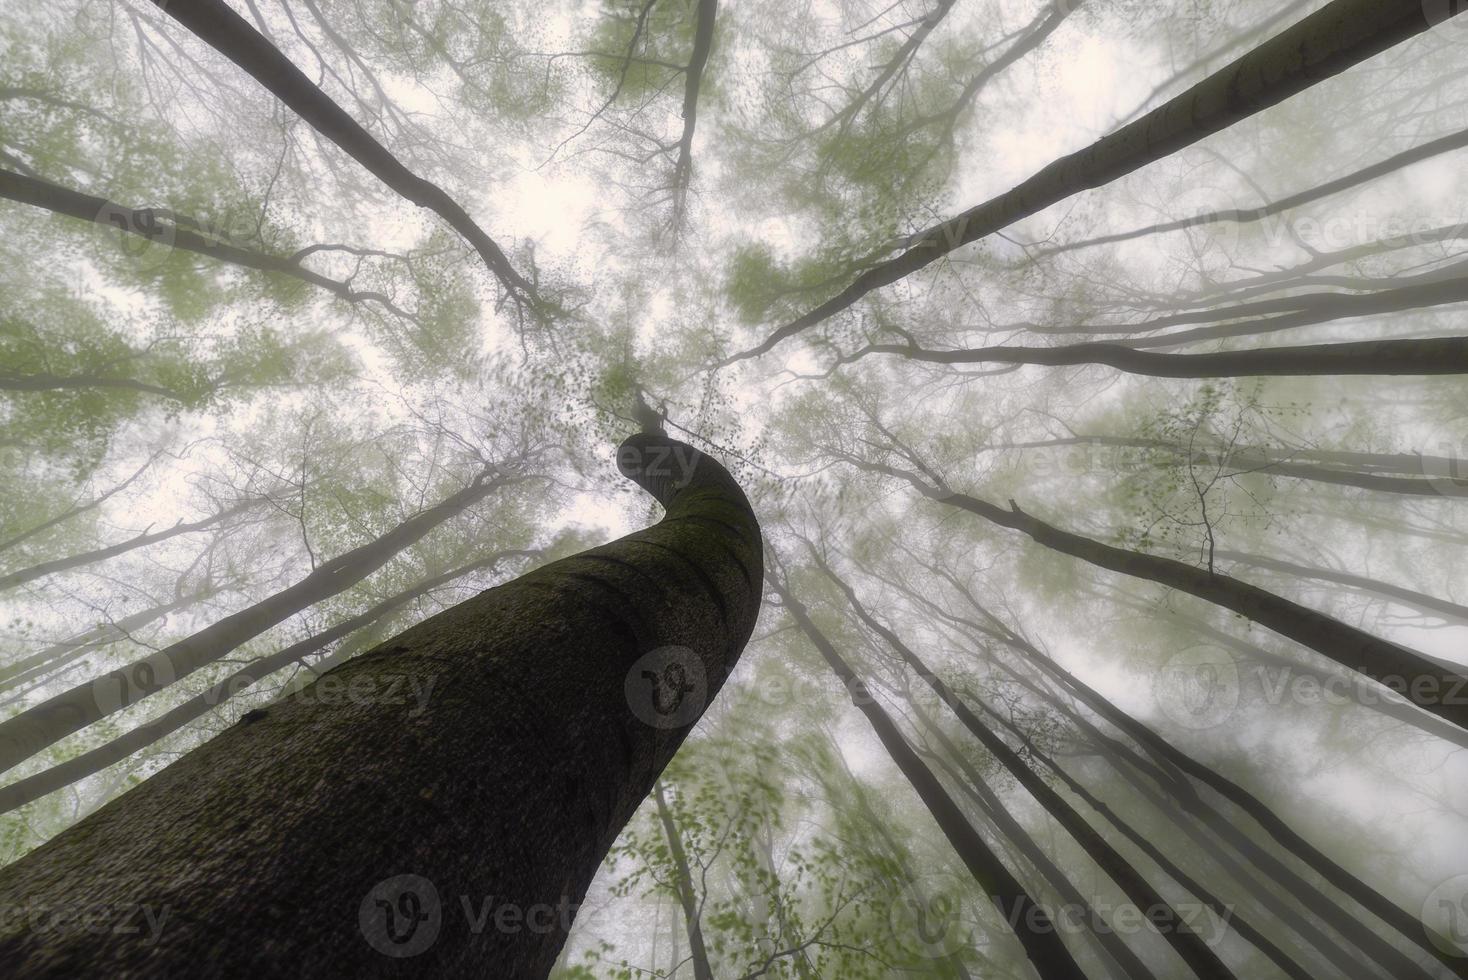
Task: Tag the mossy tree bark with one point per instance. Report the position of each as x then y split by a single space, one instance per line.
351 832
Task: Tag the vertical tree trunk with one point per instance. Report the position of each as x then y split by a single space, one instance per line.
688 899
1188 945
1115 953
1031 923
343 830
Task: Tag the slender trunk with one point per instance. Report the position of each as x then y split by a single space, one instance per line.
1430 356
78 646
155 226
75 509
683 887
52 720
1171 770
1341 34
1410 597
295 841
24 575
214 23
1240 924
1031 923
703 45
1436 688
1356 889
1428 150
1267 456
1188 945
1324 308
1369 693
1116 954
62 774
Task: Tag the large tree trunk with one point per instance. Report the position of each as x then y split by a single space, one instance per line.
1341 34
296 842
1032 925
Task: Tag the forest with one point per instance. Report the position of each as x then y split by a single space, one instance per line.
733 489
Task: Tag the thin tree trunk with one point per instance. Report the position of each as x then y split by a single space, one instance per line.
294 842
214 23
63 774
1171 769
76 509
68 651
1240 924
683 885
24 575
1430 356
703 45
52 720
1341 34
1031 923
1115 953
1188 945
1411 597
1378 659
1356 889
155 226
1278 462
1428 150
1371 695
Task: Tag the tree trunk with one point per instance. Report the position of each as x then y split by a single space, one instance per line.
1188 945
70 711
1240 924
1115 953
296 842
1381 660
1341 34
1031 923
24 575
214 23
61 774
1184 793
155 226
688 899
1435 355
1428 150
